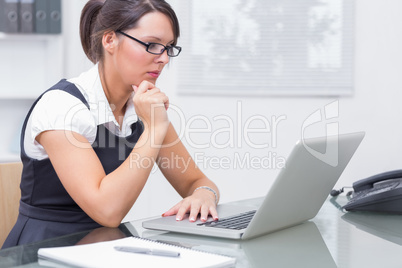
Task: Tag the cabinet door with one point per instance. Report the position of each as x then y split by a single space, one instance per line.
29 64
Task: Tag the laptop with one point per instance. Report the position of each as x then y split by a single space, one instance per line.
297 194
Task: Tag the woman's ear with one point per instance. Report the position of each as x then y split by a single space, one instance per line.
110 41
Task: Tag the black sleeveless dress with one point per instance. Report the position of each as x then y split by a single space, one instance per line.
46 209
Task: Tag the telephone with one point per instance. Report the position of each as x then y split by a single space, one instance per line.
378 193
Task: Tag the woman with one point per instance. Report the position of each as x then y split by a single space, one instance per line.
82 139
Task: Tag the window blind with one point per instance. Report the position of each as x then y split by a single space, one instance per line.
266 47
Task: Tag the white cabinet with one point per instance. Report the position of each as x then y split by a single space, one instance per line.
29 64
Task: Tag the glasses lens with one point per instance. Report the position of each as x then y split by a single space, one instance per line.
156 48
174 51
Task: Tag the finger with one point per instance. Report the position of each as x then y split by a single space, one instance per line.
204 213
172 211
158 98
162 98
166 103
144 87
194 213
153 91
214 213
182 210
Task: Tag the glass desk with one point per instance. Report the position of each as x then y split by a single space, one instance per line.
332 239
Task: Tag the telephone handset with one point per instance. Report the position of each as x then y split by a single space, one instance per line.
378 193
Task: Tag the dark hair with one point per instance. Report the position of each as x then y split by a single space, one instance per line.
101 16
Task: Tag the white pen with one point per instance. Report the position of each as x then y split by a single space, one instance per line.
149 251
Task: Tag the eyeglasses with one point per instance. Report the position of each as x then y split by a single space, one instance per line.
156 48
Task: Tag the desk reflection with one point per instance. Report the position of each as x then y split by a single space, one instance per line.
385 226
26 254
298 246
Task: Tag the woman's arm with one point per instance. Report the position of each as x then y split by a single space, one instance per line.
182 172
108 198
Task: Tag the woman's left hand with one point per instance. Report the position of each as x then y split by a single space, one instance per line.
200 202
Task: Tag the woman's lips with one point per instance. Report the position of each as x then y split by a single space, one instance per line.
154 74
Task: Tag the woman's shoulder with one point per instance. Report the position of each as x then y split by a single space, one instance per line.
58 109
58 100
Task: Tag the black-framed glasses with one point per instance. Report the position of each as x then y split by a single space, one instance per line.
156 48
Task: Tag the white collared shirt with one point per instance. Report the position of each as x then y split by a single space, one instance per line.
59 110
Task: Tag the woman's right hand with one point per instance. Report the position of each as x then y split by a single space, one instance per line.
151 105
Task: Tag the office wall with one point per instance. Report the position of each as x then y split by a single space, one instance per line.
374 108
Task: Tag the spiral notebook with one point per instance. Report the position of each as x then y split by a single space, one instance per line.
104 254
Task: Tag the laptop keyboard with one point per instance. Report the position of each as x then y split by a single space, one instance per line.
236 222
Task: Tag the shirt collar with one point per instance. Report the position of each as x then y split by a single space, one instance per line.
90 85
